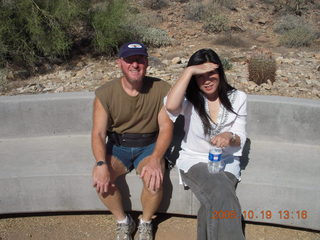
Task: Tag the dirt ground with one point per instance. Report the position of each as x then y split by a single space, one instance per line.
100 226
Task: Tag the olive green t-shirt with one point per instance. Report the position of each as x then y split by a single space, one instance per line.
138 114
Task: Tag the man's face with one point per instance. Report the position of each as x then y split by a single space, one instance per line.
133 67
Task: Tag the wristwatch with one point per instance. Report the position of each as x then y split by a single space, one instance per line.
100 163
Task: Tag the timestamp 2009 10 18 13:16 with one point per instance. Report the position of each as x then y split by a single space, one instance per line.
264 214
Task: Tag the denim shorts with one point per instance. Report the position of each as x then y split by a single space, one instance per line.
130 156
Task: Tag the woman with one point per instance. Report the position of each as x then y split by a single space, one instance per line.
215 114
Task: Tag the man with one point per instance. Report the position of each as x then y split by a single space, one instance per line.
130 112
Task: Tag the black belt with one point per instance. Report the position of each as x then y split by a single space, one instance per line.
132 139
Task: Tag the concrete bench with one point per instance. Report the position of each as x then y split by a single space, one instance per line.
46 160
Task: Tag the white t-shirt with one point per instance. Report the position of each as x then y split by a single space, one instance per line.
195 145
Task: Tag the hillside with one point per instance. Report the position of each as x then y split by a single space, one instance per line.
251 26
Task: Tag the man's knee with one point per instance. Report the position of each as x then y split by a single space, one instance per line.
154 191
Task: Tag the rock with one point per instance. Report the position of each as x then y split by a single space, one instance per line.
166 62
279 60
59 89
294 84
263 39
317 56
176 60
303 89
309 82
318 68
265 86
81 64
262 21
315 92
155 62
269 82
10 75
251 85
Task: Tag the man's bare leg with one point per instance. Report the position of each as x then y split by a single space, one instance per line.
113 200
150 200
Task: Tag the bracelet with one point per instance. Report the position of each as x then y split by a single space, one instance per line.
99 163
233 138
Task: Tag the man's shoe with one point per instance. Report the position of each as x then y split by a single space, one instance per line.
125 230
145 231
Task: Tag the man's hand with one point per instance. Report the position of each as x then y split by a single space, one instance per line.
101 178
222 139
152 173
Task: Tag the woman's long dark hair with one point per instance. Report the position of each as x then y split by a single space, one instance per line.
194 94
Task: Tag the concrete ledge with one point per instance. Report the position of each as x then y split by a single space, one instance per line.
46 160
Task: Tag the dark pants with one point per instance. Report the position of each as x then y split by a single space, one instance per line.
219 216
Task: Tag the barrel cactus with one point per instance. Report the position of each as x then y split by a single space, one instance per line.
261 67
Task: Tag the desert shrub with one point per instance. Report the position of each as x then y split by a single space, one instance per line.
229 39
225 3
108 23
295 31
227 65
289 6
199 11
3 79
152 37
261 67
155 37
196 11
35 32
146 19
181 1
155 4
287 23
298 37
216 24
35 29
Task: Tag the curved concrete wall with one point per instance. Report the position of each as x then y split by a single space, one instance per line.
46 160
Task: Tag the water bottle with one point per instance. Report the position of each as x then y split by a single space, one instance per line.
215 162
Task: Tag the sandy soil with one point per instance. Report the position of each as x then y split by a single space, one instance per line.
101 226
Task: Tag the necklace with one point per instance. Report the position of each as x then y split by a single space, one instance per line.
222 115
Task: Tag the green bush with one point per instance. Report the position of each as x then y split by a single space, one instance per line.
34 32
155 37
261 67
152 37
108 24
35 29
216 24
298 37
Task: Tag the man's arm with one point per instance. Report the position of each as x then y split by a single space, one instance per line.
152 171
100 174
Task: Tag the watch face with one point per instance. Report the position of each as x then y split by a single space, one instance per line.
100 163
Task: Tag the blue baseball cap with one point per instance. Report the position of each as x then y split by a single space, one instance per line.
132 48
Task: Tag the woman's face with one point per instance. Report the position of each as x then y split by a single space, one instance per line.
208 83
